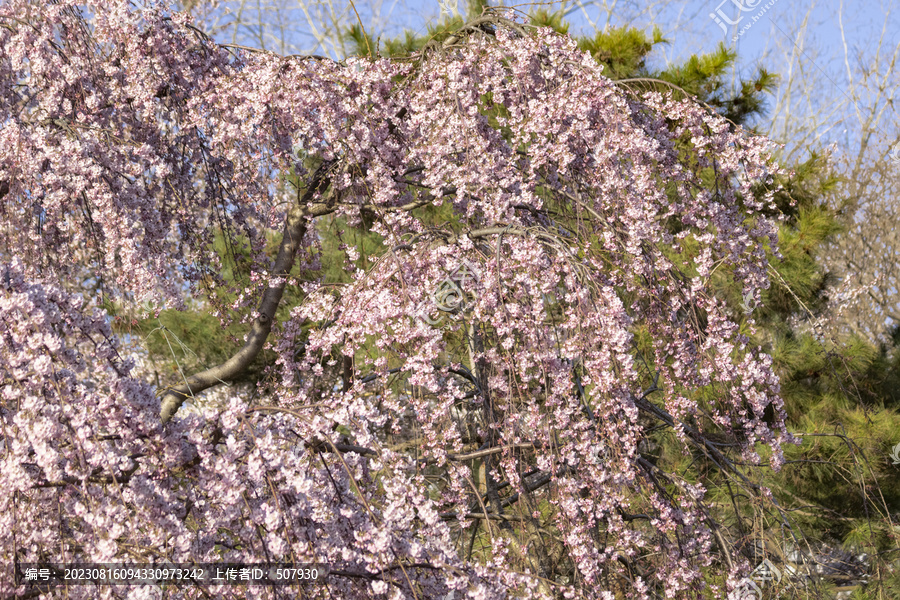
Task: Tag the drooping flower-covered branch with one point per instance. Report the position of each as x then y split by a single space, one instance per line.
468 416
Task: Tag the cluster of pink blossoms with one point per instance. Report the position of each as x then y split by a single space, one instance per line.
496 455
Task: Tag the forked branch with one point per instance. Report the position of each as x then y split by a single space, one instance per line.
294 230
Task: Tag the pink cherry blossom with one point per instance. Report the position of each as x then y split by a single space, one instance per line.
128 139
